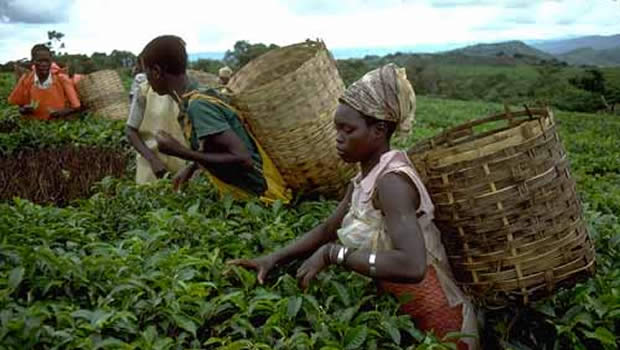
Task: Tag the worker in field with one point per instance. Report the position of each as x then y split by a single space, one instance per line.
148 113
219 141
46 92
383 228
225 73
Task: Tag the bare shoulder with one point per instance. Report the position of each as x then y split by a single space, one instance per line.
397 191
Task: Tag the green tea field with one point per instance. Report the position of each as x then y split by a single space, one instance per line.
89 260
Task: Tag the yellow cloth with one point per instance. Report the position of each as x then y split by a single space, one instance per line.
160 113
276 187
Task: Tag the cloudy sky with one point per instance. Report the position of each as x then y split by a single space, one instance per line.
207 25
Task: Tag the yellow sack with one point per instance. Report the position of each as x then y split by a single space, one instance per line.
276 187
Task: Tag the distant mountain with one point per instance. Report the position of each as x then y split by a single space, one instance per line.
590 50
596 42
589 56
507 48
361 52
354 52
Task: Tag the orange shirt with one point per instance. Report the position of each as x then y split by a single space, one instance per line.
59 95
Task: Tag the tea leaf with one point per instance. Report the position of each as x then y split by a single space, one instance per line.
186 323
392 330
603 335
294 304
15 277
355 337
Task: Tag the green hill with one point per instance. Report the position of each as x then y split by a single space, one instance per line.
508 48
590 56
596 42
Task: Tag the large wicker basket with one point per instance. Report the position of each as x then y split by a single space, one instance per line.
204 78
289 96
103 93
506 205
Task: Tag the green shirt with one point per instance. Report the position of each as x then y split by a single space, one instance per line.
209 119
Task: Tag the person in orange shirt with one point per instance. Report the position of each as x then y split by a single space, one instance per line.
45 94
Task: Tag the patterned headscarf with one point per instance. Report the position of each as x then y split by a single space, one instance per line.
385 94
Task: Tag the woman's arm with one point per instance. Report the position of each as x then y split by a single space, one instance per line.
232 149
70 93
313 241
158 167
406 262
320 235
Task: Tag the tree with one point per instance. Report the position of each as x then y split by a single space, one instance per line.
55 39
244 52
118 58
100 59
207 65
592 80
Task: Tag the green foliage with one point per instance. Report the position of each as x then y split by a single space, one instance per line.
498 79
84 131
141 267
207 65
55 37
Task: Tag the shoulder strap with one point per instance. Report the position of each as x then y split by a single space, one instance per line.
198 95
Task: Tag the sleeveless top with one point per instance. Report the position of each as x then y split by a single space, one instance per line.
363 227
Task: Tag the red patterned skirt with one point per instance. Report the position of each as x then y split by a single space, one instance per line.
428 305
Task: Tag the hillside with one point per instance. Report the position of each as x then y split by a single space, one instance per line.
507 48
596 42
590 56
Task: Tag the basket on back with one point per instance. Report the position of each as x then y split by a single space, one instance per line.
289 96
103 93
506 205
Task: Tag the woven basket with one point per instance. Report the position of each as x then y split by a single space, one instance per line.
506 205
103 93
289 96
204 78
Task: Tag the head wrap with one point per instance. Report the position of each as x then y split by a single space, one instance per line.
384 94
225 72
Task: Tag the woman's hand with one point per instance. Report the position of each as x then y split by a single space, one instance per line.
61 113
26 110
262 265
158 167
314 264
182 177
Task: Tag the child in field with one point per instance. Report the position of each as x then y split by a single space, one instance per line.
220 142
45 93
149 113
384 224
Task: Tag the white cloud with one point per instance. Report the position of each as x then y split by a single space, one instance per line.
34 11
104 25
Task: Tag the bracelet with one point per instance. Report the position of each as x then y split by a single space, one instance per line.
331 252
341 255
372 270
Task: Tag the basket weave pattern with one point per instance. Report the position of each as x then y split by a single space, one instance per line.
104 94
289 96
506 206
